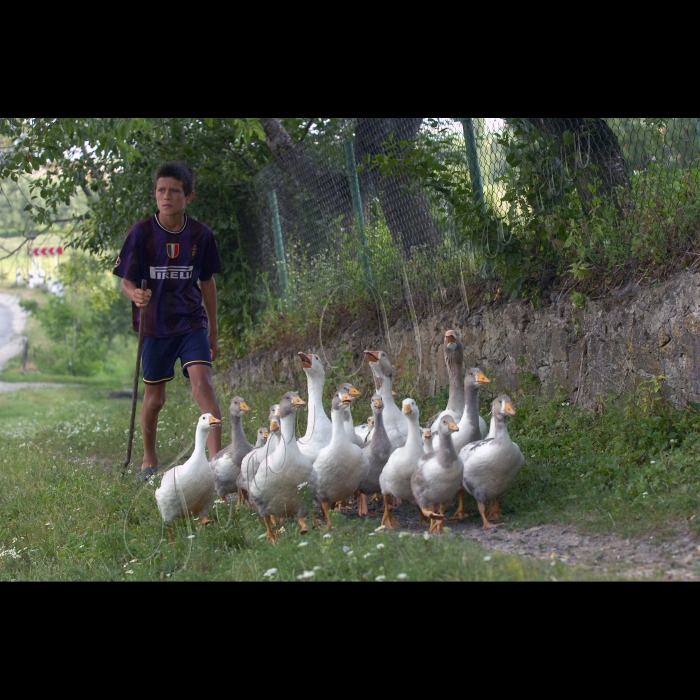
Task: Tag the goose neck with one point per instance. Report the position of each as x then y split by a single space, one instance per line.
456 399
447 449
237 433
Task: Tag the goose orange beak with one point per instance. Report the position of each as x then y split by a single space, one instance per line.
407 408
274 425
354 392
450 337
453 427
297 401
378 403
244 406
481 378
508 408
214 422
346 399
372 355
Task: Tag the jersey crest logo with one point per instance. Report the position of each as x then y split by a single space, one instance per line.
193 252
118 262
173 250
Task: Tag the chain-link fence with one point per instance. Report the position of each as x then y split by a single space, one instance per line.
430 204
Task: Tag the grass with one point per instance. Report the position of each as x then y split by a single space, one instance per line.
70 515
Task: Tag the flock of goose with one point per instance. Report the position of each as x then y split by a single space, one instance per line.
390 457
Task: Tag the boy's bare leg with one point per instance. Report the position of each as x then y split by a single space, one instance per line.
153 401
203 393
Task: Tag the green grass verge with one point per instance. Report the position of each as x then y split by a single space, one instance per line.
70 515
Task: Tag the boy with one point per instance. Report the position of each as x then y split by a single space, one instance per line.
172 251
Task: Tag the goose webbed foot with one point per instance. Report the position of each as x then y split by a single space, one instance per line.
482 512
388 520
494 510
271 534
362 504
459 514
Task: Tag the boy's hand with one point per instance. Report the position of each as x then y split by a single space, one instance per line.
214 345
141 297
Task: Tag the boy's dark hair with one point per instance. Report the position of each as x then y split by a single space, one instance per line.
179 171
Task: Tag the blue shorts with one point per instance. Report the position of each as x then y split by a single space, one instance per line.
158 355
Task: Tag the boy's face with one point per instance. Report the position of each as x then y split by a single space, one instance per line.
170 196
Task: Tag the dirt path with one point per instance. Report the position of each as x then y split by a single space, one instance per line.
672 559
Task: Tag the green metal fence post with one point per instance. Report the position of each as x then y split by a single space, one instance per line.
473 162
357 206
279 243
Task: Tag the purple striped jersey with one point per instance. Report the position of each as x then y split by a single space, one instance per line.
172 263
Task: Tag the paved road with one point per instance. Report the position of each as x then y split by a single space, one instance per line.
6 330
12 319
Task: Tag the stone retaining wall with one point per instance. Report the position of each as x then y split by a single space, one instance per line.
610 344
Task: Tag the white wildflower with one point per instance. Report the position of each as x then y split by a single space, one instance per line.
380 578
190 537
328 536
404 534
380 545
346 548
301 486
129 571
487 557
369 554
380 528
270 573
349 552
426 536
402 576
302 544
317 568
306 574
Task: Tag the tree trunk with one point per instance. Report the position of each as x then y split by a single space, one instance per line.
330 188
595 144
407 213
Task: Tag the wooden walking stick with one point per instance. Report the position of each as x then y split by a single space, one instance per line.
136 384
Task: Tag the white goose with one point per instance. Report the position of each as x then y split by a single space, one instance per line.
341 466
189 488
394 420
377 450
427 438
276 490
471 425
318 428
261 436
395 479
251 462
454 358
348 388
227 462
491 465
438 476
